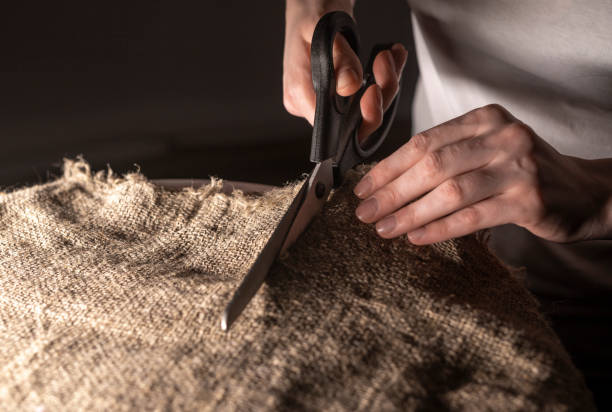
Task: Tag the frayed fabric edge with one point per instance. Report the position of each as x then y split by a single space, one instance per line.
79 170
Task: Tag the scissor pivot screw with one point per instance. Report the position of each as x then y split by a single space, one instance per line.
320 190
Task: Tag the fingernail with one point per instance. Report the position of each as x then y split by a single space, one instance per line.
386 225
364 187
367 209
345 78
415 235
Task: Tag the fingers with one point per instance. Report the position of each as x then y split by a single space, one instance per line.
347 67
387 69
400 54
452 195
460 128
426 174
476 171
298 92
371 111
491 212
473 172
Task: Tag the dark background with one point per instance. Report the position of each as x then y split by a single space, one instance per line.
182 89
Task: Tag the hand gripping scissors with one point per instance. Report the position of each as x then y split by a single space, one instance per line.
335 149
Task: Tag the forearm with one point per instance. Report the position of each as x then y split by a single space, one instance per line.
298 92
317 7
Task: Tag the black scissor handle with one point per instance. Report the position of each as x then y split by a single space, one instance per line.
352 152
330 107
337 119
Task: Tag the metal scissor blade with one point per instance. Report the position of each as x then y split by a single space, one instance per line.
303 208
320 184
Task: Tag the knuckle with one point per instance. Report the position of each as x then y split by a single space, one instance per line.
442 229
410 217
477 144
380 171
433 164
453 151
518 129
404 152
520 135
453 191
494 109
389 196
407 216
470 216
397 161
419 143
516 140
492 113
528 165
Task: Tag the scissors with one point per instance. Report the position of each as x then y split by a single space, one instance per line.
335 148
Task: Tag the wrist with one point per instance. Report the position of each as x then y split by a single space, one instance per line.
604 167
599 169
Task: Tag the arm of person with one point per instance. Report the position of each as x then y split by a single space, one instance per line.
298 93
484 169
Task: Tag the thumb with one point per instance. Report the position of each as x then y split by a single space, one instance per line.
349 73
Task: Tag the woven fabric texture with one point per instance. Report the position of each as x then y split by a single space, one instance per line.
111 291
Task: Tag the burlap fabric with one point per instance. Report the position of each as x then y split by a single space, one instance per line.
111 291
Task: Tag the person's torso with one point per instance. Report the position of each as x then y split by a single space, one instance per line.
549 63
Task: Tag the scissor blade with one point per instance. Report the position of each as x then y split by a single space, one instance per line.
303 208
319 185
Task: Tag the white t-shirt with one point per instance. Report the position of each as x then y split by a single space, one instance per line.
550 64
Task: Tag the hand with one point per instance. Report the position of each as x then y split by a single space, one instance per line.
484 169
298 91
